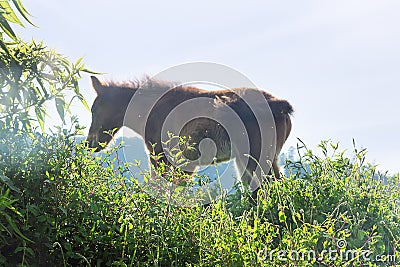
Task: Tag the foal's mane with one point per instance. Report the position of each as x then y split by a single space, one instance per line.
145 83
278 106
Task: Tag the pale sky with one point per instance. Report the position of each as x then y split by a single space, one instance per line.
337 62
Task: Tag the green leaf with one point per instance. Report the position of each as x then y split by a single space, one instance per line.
83 101
9 183
78 61
7 28
40 115
60 105
282 216
64 210
24 13
5 48
9 13
91 71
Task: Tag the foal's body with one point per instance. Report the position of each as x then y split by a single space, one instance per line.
112 103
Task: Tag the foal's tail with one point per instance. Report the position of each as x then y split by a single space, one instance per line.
280 106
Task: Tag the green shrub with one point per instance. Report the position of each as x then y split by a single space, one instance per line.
64 206
332 199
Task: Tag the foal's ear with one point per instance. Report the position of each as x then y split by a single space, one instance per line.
98 87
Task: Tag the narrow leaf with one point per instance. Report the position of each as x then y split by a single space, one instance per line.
60 105
40 115
7 28
24 13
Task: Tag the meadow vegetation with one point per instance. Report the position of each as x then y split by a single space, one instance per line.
62 205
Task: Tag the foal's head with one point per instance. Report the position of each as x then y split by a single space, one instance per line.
108 111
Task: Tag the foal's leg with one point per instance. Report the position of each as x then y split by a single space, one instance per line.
283 128
275 168
247 168
253 173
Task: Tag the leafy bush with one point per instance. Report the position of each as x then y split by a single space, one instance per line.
31 75
332 199
75 208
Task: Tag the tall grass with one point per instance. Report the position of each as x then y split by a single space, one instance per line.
61 205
